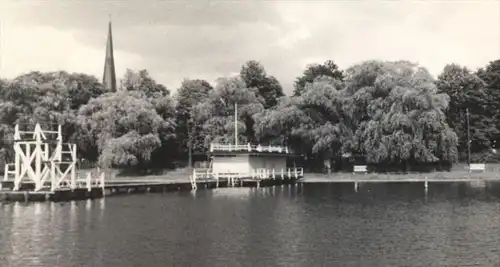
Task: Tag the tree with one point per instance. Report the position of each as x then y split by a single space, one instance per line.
82 88
467 91
491 76
47 98
141 81
124 127
191 93
388 112
311 124
313 71
159 96
398 114
216 113
268 87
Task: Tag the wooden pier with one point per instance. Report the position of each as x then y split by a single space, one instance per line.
129 186
122 186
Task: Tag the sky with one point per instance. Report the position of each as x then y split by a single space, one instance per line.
175 40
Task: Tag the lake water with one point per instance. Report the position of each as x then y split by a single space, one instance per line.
308 225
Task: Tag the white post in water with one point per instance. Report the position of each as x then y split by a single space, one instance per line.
236 124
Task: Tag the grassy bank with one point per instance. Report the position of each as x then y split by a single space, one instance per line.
179 174
459 170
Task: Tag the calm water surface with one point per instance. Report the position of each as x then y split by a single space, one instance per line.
311 225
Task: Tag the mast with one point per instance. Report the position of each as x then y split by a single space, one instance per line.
468 136
190 143
235 124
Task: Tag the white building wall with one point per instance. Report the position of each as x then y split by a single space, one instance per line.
268 162
237 163
245 163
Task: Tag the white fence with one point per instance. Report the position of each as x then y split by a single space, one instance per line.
256 174
247 148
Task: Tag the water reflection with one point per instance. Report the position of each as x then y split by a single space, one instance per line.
399 224
42 234
72 215
102 206
232 192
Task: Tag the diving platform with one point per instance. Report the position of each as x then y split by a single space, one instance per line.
46 166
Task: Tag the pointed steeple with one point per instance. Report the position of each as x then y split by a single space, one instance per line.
109 76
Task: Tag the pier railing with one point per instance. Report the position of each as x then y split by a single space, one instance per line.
9 171
256 175
88 182
92 182
247 148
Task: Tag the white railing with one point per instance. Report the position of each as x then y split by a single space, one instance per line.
9 170
256 174
90 182
247 148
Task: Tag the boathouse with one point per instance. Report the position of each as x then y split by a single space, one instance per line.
247 164
247 158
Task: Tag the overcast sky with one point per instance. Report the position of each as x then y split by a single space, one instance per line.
209 39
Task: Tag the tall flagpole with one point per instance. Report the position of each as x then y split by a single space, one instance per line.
468 136
236 123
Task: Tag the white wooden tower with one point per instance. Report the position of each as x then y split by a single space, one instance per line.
42 158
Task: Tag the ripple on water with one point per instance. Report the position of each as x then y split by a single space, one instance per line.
310 225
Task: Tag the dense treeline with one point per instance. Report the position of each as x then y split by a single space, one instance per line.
391 115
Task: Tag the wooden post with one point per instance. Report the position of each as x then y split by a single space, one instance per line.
102 182
89 181
53 179
6 172
38 158
73 166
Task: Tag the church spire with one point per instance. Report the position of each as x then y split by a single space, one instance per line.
109 76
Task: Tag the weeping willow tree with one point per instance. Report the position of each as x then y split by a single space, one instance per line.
389 113
400 117
312 124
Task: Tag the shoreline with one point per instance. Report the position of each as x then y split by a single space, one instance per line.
179 181
456 175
